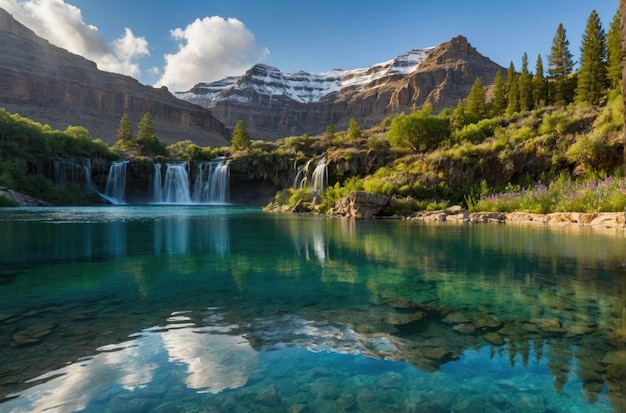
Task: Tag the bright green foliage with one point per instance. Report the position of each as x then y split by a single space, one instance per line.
419 131
147 140
241 138
125 131
476 106
78 132
593 53
512 91
614 53
560 65
540 85
525 86
475 132
498 104
458 117
354 130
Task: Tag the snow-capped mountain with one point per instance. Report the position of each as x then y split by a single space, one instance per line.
275 104
301 86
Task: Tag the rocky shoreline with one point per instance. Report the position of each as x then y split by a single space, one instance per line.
616 220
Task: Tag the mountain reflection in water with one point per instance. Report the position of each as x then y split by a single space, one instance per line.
228 308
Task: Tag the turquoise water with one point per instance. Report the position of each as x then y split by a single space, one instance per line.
220 309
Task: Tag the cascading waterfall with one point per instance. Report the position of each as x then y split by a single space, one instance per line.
116 182
87 168
300 180
319 179
212 182
176 185
157 184
67 173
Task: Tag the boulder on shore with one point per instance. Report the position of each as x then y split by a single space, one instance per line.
20 198
360 204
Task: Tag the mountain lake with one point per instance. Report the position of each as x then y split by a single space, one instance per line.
202 308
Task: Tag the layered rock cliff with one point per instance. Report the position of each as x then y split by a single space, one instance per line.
274 104
53 86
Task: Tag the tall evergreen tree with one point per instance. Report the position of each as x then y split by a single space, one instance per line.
125 131
593 52
614 53
560 65
525 86
354 130
498 104
540 85
458 115
241 137
476 101
512 91
145 129
147 140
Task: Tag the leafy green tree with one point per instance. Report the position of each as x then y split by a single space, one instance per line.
540 85
241 137
592 77
525 86
354 130
419 131
512 91
147 140
498 104
614 52
476 101
560 65
79 132
125 131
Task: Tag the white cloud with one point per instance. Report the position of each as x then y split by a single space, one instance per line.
62 24
210 49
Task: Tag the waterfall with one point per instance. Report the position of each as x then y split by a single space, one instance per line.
301 176
116 182
87 168
66 173
319 179
176 185
212 182
157 184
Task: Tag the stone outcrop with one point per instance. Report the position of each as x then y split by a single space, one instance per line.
21 199
360 204
55 87
275 104
564 219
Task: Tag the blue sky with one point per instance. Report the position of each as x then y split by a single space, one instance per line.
179 43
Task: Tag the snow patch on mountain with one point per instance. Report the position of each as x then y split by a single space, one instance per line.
301 86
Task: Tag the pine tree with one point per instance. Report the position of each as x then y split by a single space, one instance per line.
125 131
560 65
498 104
592 80
354 130
614 53
458 116
145 129
512 91
540 85
476 102
525 86
241 138
330 132
147 140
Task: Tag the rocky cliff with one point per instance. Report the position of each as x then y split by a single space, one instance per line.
55 87
274 104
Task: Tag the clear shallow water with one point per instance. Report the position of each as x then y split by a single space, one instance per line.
202 309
